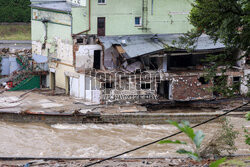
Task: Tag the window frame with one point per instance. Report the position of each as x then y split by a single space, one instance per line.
138 25
102 3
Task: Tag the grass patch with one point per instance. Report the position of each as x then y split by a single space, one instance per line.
15 32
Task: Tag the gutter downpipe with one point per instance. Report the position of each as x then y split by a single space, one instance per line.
73 35
75 47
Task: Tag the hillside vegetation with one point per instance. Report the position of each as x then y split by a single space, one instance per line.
15 11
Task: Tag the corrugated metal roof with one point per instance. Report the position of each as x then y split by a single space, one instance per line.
57 6
138 45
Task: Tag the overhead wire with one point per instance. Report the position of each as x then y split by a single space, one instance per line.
164 138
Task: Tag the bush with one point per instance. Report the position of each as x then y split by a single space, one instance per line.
15 11
222 142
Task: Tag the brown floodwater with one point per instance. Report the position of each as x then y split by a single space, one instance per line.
92 140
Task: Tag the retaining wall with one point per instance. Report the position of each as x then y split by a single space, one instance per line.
132 118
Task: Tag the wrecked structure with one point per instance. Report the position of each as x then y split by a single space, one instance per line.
21 70
115 51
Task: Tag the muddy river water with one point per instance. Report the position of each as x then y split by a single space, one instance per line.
92 140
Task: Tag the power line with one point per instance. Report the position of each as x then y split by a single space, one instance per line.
156 141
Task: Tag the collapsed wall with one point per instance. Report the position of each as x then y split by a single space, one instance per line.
9 62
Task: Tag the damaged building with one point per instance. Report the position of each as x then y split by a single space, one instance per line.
20 69
122 51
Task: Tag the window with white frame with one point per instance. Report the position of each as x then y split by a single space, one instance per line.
137 21
101 1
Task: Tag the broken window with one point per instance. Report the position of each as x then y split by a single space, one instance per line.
108 85
97 59
43 81
79 40
219 84
153 65
203 81
181 61
163 89
236 83
145 86
186 61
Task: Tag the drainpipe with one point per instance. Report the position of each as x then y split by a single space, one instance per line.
45 23
75 47
73 35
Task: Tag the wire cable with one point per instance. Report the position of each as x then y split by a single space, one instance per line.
156 141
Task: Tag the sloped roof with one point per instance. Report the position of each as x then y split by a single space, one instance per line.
138 45
56 6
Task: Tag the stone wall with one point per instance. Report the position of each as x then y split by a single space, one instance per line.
133 118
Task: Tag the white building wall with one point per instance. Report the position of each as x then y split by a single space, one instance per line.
244 87
74 87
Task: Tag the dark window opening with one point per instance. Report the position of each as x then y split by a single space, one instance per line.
202 80
181 61
53 81
108 85
79 40
145 86
186 61
153 63
137 21
101 26
236 79
236 84
163 89
43 81
97 59
219 83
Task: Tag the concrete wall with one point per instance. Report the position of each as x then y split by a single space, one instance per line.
134 118
85 56
59 43
244 88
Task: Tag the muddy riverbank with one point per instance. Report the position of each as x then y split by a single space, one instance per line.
93 141
38 107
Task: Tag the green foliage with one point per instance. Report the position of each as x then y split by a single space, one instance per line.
171 142
248 116
218 162
15 32
227 21
247 134
222 141
196 138
15 11
191 154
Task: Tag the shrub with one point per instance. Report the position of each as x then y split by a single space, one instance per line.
222 141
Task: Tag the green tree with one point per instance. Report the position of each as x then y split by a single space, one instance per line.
227 21
15 11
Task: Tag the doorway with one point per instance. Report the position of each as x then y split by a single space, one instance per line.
52 81
67 81
101 26
97 59
163 89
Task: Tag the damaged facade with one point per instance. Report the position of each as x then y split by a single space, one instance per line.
115 51
22 70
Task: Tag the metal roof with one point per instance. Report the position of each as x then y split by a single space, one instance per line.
57 6
138 45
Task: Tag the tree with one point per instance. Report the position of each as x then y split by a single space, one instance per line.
227 21
15 11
